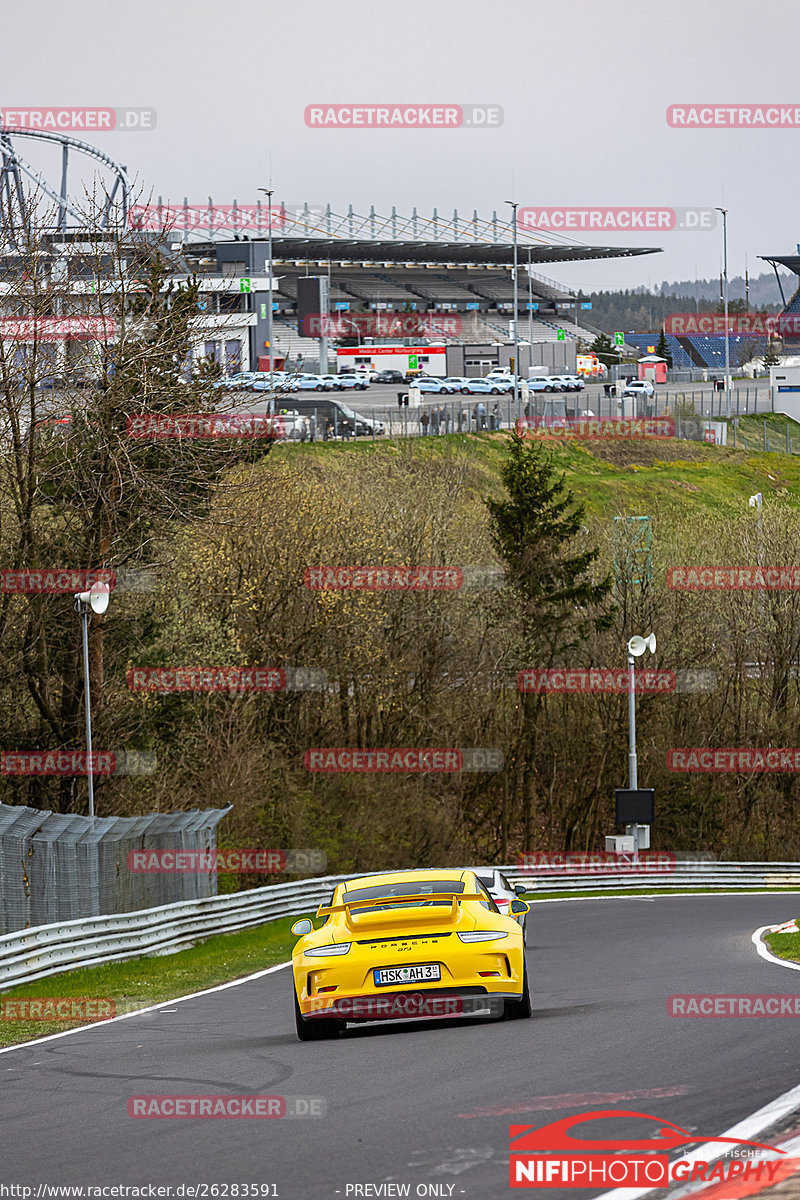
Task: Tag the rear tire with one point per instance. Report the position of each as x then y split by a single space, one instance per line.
519 1010
318 1029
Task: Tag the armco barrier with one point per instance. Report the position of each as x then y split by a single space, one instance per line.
45 950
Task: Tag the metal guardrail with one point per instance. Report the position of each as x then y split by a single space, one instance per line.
47 950
672 876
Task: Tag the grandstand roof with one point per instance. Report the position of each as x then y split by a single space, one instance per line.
790 261
342 250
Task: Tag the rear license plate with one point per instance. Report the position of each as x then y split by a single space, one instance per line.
421 974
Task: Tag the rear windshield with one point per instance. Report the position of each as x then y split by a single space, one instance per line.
486 880
406 888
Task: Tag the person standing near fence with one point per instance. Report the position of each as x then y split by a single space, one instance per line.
435 420
423 421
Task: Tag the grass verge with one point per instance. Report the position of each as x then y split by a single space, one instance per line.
784 945
144 981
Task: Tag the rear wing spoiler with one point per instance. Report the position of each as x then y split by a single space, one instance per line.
325 909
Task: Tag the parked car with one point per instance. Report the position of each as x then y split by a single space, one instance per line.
485 387
387 377
572 383
639 387
544 383
347 381
242 379
262 383
429 384
306 383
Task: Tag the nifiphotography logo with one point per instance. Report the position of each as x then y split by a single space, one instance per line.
644 1162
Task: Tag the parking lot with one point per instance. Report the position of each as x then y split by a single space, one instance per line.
470 413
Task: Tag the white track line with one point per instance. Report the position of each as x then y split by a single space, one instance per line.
220 987
765 953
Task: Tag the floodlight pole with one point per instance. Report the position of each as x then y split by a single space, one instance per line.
269 194
514 206
633 773
639 645
530 309
724 212
83 609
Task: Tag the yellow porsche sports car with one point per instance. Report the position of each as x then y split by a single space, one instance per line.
408 944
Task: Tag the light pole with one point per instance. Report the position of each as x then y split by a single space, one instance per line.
530 307
514 206
724 212
636 648
268 192
95 599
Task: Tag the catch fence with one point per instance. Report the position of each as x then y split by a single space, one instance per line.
58 867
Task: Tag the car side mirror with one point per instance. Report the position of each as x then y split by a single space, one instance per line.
519 906
521 889
301 928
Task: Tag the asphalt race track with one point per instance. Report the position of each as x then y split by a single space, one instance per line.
419 1104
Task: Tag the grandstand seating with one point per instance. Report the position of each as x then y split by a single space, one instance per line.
374 289
709 351
681 360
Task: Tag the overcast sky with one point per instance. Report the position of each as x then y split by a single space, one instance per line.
584 88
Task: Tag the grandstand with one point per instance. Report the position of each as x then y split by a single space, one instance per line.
460 268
